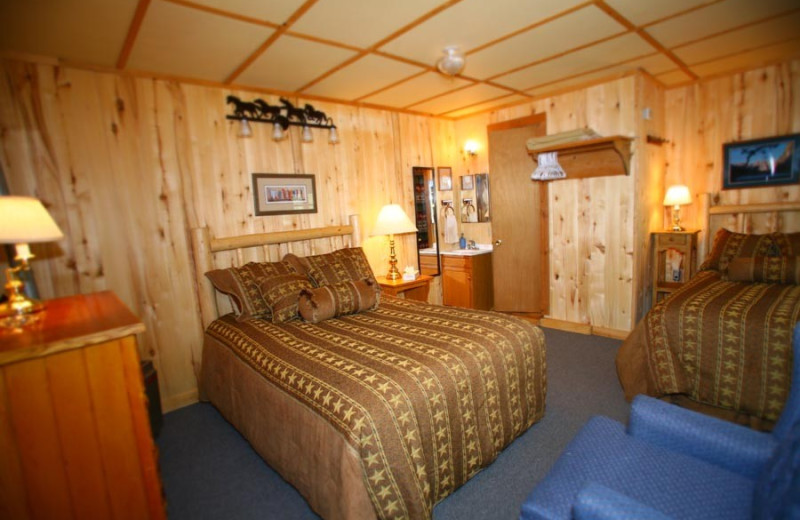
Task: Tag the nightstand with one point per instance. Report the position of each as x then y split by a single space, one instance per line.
410 289
74 431
674 259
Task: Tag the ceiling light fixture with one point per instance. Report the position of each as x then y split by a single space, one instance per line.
452 62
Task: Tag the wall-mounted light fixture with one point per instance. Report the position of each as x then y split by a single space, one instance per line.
281 116
471 148
547 168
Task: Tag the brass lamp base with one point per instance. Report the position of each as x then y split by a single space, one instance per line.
19 309
676 219
394 273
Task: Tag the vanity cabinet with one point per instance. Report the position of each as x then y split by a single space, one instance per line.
467 281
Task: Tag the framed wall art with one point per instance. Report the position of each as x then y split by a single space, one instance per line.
467 182
761 162
283 194
445 178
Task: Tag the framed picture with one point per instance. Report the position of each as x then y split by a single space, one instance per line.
482 196
761 162
467 182
282 194
445 178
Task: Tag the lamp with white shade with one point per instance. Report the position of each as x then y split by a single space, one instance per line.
392 220
676 197
23 220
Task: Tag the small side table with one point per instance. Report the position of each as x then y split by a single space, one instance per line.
684 243
411 289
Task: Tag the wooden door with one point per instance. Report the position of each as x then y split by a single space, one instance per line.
519 219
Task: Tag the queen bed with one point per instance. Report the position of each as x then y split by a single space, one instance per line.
371 406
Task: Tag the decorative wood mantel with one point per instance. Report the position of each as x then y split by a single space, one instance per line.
592 157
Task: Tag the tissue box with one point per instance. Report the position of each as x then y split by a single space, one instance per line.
409 277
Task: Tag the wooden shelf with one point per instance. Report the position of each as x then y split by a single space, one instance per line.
592 157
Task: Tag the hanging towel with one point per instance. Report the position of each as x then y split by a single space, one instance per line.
450 229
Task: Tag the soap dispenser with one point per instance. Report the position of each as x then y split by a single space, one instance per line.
462 242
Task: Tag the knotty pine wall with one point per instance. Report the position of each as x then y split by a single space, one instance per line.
128 166
702 117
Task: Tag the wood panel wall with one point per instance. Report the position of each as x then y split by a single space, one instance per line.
127 166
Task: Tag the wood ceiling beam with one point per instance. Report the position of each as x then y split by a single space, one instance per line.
224 13
133 32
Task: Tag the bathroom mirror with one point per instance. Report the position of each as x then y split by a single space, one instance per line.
425 217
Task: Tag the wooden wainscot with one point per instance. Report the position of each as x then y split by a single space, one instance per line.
596 157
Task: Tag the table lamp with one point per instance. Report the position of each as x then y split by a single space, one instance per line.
23 220
677 196
392 220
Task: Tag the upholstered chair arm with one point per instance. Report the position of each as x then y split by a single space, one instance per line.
597 502
722 443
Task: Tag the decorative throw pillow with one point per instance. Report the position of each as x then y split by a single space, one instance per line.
787 243
766 269
242 283
729 245
339 299
348 264
282 294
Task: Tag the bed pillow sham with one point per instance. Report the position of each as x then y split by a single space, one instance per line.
281 293
765 269
349 264
339 299
242 285
729 245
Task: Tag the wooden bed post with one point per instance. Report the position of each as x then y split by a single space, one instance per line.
201 247
356 236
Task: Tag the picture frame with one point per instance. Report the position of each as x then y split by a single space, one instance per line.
761 162
482 196
445 178
467 182
284 193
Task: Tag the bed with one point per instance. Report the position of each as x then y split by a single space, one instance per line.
377 412
721 344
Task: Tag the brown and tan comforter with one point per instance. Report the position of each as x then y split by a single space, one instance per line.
720 346
423 396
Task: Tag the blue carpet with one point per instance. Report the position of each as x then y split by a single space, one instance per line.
209 471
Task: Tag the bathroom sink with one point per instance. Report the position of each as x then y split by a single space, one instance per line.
468 252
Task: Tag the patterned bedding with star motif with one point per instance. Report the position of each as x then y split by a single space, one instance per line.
717 345
423 395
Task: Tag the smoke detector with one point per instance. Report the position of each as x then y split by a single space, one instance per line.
452 62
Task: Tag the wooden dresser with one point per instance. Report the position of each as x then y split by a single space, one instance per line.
75 437
467 281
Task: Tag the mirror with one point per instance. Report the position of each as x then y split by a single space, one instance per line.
482 196
424 183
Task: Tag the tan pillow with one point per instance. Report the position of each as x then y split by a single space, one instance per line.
242 284
765 269
282 294
348 264
339 299
729 245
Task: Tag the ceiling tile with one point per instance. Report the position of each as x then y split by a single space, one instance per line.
416 89
508 100
603 55
291 63
363 77
364 22
86 31
275 11
641 12
767 33
749 60
675 77
567 32
716 18
460 99
175 40
471 23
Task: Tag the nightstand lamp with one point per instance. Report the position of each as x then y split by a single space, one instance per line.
676 197
23 220
392 220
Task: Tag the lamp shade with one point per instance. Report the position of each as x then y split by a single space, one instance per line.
677 195
392 220
25 220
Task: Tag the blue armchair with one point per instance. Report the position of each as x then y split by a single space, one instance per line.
675 463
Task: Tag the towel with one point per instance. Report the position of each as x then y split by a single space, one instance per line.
450 229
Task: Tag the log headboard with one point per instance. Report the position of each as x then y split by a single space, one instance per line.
217 253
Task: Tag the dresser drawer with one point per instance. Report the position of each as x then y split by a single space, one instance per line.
458 263
674 239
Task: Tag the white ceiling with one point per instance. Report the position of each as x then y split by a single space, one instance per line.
383 53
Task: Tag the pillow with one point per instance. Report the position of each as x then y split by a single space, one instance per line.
787 243
281 294
729 245
241 284
348 264
766 269
339 299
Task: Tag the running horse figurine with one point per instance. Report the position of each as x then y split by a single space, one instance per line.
243 109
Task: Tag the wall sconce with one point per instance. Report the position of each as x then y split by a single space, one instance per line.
281 117
547 168
677 196
471 148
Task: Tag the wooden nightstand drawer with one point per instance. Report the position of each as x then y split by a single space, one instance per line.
674 239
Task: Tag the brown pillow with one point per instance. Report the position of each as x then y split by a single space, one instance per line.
242 283
339 299
348 264
282 293
729 245
787 243
766 269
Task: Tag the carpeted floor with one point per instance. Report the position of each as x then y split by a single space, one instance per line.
210 472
